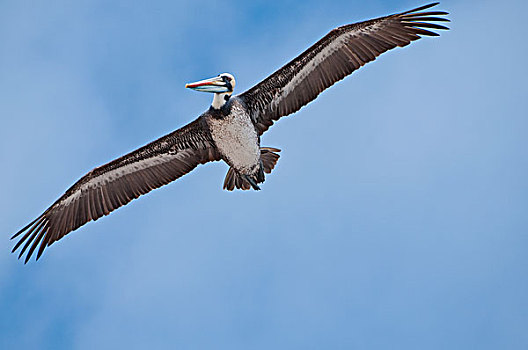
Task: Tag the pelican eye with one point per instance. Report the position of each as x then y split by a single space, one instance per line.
227 81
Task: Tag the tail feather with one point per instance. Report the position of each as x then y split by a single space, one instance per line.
268 159
230 180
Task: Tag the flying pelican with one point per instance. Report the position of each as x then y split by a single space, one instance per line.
230 129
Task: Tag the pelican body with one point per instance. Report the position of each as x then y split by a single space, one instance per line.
229 124
237 141
230 129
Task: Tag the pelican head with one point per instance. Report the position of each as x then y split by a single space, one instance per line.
222 86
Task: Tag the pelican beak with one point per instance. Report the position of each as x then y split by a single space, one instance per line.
216 85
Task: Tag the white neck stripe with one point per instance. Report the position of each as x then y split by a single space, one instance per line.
219 100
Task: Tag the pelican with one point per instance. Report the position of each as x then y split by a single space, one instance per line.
230 129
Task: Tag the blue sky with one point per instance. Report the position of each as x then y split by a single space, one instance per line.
396 217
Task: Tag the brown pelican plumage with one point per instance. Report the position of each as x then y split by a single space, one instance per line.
230 129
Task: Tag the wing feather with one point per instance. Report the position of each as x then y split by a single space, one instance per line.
115 184
332 58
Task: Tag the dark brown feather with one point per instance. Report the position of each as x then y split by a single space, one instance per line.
97 194
268 157
347 48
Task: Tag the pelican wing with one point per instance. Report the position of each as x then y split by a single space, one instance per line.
331 59
113 185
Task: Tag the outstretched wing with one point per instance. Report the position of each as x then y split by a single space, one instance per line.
113 185
331 59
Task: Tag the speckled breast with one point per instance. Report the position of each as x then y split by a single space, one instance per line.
236 138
